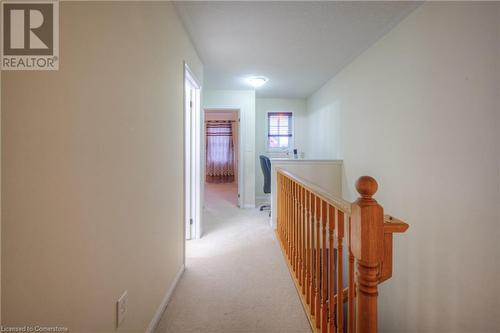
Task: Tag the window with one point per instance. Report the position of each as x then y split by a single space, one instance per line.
279 130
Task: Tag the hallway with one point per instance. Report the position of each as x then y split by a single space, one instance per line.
236 279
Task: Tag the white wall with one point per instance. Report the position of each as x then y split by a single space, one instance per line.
244 100
323 126
263 106
419 111
92 169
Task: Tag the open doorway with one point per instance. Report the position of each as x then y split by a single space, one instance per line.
192 140
222 157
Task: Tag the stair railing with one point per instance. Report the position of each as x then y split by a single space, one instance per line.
313 228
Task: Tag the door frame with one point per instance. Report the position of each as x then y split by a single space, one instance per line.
240 147
191 158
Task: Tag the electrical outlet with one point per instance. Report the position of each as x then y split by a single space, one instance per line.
121 308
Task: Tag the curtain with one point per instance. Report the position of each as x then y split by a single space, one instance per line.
235 148
220 152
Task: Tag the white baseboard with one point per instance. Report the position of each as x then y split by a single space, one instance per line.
159 312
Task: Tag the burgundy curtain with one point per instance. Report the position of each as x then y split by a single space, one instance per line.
220 153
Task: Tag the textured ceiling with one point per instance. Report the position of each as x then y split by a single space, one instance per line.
297 45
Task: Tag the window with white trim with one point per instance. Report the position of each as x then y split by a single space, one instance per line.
279 130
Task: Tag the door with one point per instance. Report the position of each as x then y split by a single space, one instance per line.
191 153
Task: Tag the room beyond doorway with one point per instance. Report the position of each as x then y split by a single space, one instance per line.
222 153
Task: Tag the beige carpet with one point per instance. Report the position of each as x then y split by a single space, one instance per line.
236 279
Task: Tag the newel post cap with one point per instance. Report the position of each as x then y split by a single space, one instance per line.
366 186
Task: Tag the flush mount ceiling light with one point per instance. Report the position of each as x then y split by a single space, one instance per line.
257 81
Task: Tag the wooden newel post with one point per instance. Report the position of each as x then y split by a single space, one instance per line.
367 223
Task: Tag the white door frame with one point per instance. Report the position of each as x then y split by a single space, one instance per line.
192 154
240 147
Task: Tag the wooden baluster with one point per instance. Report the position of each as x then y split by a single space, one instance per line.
288 209
303 240
296 229
278 196
324 268
288 244
290 212
282 212
295 209
292 207
350 295
340 282
284 215
287 218
367 222
299 225
278 213
294 226
308 246
318 262
313 253
296 219
299 238
282 209
332 213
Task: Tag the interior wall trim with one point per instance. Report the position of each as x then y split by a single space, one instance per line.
163 305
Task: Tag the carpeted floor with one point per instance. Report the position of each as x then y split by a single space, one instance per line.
236 280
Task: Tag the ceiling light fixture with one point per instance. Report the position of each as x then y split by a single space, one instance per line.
257 81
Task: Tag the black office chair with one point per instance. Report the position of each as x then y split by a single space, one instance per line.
265 164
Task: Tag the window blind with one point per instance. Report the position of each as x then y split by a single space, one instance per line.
279 124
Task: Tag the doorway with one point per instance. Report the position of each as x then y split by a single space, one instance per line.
192 153
222 169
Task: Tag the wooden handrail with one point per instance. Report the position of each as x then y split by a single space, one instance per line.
394 225
321 236
340 203
391 226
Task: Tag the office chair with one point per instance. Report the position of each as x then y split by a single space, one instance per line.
265 164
